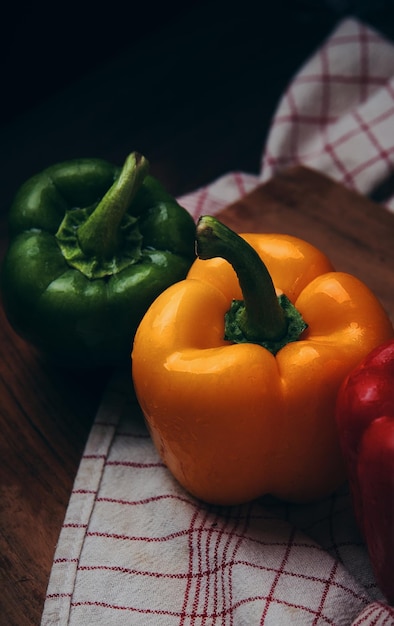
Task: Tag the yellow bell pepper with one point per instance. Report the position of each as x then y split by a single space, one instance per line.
237 385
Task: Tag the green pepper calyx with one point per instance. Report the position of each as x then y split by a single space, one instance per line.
261 317
103 239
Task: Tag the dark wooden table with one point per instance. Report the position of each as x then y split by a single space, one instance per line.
193 89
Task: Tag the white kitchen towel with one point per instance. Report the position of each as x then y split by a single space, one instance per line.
135 548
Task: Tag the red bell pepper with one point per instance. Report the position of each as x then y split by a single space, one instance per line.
365 420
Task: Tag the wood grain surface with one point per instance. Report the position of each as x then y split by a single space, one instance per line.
46 415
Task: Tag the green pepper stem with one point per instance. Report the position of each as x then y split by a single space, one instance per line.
99 236
262 317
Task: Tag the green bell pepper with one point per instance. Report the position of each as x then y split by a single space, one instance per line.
91 247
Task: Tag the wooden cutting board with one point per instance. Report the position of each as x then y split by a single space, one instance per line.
354 232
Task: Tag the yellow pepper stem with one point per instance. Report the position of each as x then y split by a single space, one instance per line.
261 317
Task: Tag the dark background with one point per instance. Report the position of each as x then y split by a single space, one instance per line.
193 86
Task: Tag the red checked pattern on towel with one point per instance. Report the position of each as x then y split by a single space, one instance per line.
134 547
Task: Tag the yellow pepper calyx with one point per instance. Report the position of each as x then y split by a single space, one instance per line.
295 326
261 317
